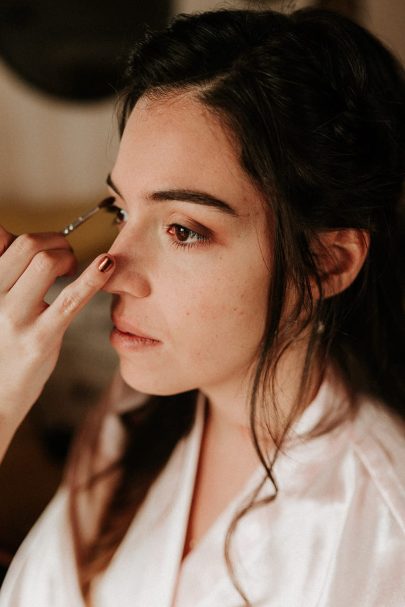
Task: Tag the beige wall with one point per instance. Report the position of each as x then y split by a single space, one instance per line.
387 19
51 152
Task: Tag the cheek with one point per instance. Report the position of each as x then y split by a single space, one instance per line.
216 307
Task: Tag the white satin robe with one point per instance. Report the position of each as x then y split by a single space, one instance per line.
334 536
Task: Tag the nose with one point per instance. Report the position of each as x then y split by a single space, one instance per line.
130 274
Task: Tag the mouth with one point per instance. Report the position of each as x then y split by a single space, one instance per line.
127 333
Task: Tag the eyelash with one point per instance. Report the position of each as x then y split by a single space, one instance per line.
202 239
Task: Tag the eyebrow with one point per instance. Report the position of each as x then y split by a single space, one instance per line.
184 195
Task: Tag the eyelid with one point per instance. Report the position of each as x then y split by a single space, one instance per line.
190 223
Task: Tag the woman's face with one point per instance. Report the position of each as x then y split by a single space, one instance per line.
192 252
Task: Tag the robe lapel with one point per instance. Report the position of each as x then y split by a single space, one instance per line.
145 568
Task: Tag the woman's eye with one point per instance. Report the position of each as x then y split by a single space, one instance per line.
121 216
180 235
185 237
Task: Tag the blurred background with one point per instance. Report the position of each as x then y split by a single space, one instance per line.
59 72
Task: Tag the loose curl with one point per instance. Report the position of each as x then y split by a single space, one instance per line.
316 105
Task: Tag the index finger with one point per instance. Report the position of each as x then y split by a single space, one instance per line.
58 316
6 238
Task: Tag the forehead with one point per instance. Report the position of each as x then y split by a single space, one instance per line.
177 142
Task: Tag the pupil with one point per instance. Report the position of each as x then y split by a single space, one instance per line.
182 233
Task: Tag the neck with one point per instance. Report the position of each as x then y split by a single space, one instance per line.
229 411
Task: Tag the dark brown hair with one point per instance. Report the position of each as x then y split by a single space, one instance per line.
317 106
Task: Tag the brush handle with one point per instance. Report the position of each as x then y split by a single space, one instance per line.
104 204
78 221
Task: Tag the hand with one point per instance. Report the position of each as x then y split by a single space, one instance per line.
31 331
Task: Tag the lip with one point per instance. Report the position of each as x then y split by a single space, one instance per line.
126 328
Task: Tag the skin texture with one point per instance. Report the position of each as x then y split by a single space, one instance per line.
205 303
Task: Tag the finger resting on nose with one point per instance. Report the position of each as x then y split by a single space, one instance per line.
76 295
19 254
27 294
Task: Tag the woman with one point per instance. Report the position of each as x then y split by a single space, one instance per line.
257 301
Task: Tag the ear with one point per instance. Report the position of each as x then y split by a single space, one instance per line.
340 255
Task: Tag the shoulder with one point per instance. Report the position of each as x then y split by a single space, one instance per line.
378 441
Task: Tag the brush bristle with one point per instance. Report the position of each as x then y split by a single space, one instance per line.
107 202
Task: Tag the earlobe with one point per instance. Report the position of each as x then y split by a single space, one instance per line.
340 255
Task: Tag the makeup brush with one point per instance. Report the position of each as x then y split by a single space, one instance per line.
107 204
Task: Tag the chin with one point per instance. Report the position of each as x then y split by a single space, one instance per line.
153 385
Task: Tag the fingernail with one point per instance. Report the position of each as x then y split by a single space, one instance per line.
105 264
